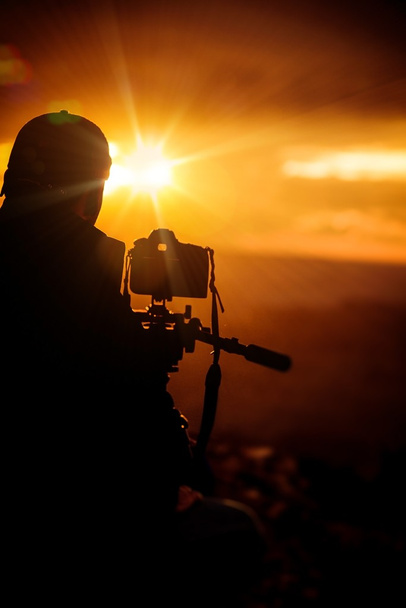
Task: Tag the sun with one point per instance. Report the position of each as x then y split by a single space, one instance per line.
144 170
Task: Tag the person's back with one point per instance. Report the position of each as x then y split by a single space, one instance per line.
73 423
94 449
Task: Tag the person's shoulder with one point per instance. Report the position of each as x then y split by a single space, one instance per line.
110 253
115 246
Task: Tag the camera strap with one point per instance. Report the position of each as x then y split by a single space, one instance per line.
213 376
215 298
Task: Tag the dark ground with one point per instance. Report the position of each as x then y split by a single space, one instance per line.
334 539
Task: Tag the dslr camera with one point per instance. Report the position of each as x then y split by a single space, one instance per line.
164 268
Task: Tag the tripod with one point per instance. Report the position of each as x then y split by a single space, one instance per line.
177 333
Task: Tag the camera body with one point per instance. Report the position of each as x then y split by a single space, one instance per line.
164 268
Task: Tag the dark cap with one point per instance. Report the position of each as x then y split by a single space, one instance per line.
58 150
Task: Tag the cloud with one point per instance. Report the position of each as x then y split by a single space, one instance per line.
355 165
352 222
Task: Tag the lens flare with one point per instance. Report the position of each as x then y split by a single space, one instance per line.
14 69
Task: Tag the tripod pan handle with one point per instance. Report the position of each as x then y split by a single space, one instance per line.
269 358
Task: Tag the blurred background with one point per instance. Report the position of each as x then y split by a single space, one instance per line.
275 134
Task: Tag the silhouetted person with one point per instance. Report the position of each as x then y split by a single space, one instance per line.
97 464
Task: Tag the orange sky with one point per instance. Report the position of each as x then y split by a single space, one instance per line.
290 121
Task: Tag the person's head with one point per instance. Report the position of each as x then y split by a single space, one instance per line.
66 154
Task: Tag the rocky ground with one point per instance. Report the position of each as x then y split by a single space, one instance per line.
334 539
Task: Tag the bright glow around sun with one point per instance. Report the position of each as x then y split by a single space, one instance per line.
144 170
